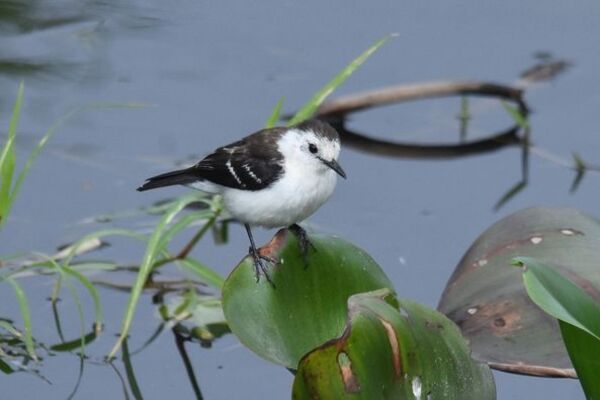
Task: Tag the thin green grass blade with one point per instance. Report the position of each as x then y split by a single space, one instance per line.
99 317
74 344
516 115
26 315
133 385
308 110
7 158
152 250
205 273
5 368
45 138
274 117
182 224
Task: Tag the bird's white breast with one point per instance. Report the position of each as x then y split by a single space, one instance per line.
294 197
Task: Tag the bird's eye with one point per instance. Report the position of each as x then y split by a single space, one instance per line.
313 148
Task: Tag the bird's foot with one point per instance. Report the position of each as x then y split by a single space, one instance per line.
303 242
260 266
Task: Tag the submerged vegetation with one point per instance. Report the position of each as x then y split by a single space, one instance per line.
336 323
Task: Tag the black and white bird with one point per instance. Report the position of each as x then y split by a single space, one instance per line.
273 178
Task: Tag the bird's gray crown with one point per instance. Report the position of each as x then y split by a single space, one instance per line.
319 128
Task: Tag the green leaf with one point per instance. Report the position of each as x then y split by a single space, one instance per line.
578 313
488 301
516 115
386 354
7 159
560 297
205 273
584 350
26 315
130 373
308 304
75 343
308 109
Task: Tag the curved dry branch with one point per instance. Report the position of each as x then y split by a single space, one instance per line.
401 93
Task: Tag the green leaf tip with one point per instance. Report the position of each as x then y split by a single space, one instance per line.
309 109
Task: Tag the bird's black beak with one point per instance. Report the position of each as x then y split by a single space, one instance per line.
333 164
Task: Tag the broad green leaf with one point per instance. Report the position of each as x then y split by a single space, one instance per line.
578 314
385 353
584 350
560 297
307 307
486 298
308 109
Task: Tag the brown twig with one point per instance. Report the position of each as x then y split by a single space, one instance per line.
401 93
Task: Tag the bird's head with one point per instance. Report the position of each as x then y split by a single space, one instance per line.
313 145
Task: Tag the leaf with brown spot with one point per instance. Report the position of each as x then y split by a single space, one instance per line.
385 351
486 298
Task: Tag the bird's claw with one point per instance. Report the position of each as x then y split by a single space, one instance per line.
259 265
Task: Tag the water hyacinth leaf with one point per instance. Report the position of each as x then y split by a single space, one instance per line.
308 109
387 354
486 298
578 314
308 305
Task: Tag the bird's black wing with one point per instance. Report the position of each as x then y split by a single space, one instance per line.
253 163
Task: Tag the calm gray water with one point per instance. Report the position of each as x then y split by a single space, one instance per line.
214 71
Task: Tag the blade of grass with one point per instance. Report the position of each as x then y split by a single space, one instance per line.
99 319
5 368
206 274
129 372
308 109
152 249
7 158
74 344
274 117
26 315
5 207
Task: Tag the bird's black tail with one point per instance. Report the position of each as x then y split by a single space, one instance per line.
179 177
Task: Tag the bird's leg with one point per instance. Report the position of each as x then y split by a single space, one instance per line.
258 258
303 242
